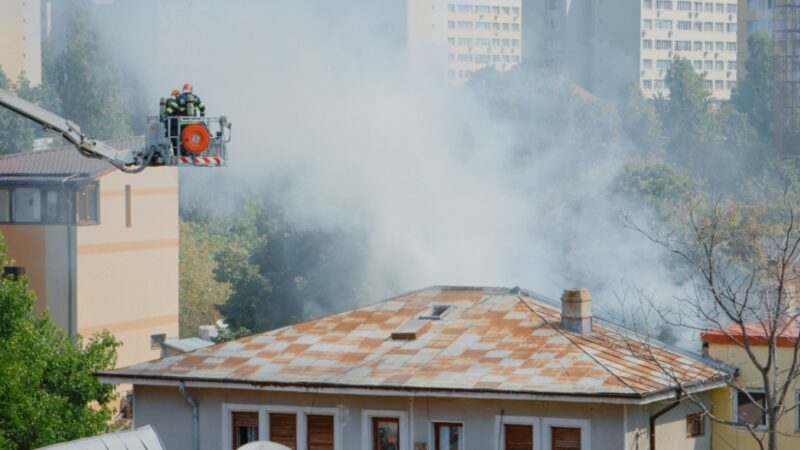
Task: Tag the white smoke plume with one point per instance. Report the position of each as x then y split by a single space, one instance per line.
366 135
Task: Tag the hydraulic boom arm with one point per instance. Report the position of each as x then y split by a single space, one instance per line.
130 160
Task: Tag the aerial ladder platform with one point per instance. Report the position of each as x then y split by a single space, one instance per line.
180 141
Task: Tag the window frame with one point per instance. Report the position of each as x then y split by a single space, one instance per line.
550 422
12 205
735 410
76 202
433 435
501 421
301 413
366 426
700 417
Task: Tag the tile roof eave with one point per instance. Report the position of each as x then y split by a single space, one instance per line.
118 376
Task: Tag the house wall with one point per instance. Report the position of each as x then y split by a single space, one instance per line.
170 414
726 436
670 427
127 277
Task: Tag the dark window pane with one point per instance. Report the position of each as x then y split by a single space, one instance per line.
55 207
27 205
518 437
245 428
320 432
566 438
448 436
385 433
749 411
87 204
5 205
283 429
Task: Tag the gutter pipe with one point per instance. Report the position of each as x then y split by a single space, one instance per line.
658 414
195 416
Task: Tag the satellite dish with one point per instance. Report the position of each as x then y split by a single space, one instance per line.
263 445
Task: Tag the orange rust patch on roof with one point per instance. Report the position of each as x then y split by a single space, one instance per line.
490 339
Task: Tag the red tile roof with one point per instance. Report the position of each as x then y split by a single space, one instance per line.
757 334
491 340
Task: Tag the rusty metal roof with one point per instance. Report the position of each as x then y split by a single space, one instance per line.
491 340
55 164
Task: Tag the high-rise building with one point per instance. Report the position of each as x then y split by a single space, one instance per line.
605 44
786 36
755 16
657 31
20 39
470 34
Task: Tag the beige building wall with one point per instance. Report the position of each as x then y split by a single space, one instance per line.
471 34
127 276
727 437
20 39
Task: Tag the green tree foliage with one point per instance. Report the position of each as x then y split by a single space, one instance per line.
754 92
16 132
48 392
687 118
640 121
282 273
201 241
655 182
88 82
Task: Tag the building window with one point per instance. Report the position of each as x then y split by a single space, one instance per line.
731 27
663 64
648 4
486 26
27 205
720 8
661 84
732 66
647 64
708 26
709 7
86 204
55 207
731 9
451 24
518 437
156 340
708 65
647 44
731 85
244 428
663 45
663 24
683 45
448 436
565 438
709 84
464 25
684 6
749 408
5 205
694 425
283 429
698 65
719 66
719 27
465 42
482 9
731 46
698 7
647 24
697 45
698 26
664 4
709 45
385 433
647 84
685 25
451 8
320 434
465 9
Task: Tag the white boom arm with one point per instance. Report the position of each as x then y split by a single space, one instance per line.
130 160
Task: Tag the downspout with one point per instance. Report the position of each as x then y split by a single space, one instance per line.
658 414
72 326
195 416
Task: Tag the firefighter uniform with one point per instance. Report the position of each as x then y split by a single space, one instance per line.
185 98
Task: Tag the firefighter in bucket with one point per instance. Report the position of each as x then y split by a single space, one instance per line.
193 134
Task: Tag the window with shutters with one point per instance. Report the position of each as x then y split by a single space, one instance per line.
694 425
244 428
565 438
448 436
385 433
319 432
283 429
518 437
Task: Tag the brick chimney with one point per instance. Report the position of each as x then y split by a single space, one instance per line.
576 310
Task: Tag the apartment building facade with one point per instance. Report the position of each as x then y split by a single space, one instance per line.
467 35
755 16
20 39
99 247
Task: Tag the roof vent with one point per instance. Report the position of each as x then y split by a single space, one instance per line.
410 330
435 313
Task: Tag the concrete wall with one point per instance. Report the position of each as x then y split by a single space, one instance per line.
609 426
127 277
20 39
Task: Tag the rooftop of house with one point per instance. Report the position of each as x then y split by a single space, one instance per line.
492 342
757 334
57 164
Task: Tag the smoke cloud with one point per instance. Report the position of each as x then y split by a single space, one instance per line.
353 131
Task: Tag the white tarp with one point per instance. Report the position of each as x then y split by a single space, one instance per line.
144 438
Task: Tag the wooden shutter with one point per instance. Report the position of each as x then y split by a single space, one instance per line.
566 438
283 429
320 432
244 427
519 437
